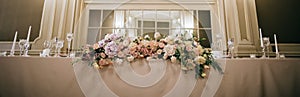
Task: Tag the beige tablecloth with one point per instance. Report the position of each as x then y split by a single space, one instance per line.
54 77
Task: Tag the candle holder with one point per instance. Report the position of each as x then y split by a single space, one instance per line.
266 44
263 52
12 52
26 46
58 46
231 48
277 56
69 39
22 43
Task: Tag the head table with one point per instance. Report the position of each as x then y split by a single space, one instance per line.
56 77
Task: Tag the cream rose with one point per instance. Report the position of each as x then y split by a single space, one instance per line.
173 59
157 35
200 60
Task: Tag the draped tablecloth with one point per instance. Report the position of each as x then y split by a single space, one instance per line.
55 77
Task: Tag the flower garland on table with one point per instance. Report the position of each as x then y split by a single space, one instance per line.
114 48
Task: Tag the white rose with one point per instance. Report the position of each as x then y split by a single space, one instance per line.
147 37
131 58
148 58
173 59
157 35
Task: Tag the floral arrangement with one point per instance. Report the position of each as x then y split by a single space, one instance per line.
114 48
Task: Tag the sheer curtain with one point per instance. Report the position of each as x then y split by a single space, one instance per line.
119 21
187 21
130 24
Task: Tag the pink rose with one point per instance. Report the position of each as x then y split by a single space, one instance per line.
189 47
161 45
102 55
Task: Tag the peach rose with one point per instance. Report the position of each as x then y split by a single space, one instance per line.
96 46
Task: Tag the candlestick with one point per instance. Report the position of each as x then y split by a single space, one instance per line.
12 51
28 35
260 36
276 46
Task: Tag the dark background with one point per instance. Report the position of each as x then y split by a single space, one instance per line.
280 17
18 15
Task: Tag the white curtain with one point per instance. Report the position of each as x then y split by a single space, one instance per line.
119 22
187 21
130 23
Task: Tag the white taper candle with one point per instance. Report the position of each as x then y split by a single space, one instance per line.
260 38
276 46
14 43
28 34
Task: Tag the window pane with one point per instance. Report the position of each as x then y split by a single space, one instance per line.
108 18
148 30
139 32
207 35
162 24
94 18
149 24
92 36
204 19
139 24
175 16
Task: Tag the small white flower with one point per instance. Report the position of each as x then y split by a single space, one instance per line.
119 61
